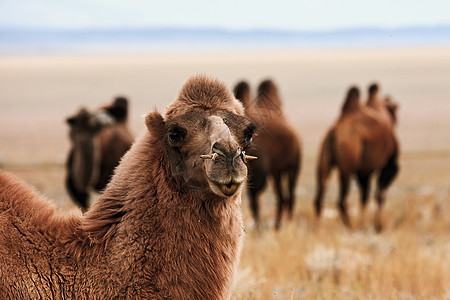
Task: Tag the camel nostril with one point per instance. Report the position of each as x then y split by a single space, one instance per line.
221 150
216 148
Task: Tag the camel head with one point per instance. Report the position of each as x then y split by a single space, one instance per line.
85 125
392 108
205 137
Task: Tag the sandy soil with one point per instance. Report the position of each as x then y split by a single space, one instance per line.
38 93
409 261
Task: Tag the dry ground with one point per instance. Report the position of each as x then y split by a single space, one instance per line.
305 259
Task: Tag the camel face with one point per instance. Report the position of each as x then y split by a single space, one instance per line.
84 125
392 107
207 150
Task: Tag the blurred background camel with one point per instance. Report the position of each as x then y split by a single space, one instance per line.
98 141
277 147
362 142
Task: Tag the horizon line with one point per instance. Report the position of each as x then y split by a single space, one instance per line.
223 29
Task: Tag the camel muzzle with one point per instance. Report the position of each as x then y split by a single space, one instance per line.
242 154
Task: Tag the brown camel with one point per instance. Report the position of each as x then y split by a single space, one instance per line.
168 225
98 141
361 143
277 146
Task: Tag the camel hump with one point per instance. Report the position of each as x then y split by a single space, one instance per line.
119 109
242 93
372 99
373 89
268 95
204 93
352 101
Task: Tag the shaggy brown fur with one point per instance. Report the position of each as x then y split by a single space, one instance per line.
360 143
96 149
163 228
277 146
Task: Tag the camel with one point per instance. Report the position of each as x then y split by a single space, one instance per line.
360 143
168 225
277 147
98 141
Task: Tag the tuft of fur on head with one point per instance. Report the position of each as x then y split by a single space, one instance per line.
203 93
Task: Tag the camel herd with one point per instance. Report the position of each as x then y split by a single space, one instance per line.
362 142
168 223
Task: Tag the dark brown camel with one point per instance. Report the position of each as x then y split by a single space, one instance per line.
277 146
168 225
98 141
361 143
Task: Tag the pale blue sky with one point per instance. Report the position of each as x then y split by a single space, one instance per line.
229 14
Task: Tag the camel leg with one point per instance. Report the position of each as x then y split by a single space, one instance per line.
292 177
80 197
325 166
254 205
344 186
280 199
385 179
322 178
364 187
319 198
256 184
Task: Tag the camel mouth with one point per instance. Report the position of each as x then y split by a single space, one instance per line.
225 189
229 189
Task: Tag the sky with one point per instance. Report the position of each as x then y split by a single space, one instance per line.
307 15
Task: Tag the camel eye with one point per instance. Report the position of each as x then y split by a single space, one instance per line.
249 132
249 137
176 135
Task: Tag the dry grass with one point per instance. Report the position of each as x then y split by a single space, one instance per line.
410 259
325 260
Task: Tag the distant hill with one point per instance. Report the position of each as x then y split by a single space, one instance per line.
145 39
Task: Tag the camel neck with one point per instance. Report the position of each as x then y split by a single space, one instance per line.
142 213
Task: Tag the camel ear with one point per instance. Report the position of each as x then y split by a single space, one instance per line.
155 123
